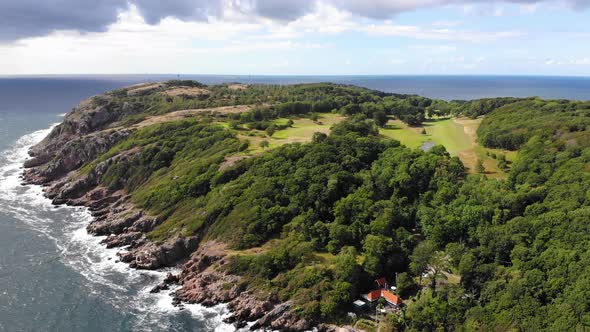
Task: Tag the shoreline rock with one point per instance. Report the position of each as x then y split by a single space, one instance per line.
82 137
204 279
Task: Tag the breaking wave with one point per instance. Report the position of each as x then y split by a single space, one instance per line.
113 281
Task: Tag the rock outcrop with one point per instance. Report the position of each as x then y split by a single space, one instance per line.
204 279
89 131
86 132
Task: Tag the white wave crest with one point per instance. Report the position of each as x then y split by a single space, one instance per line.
114 281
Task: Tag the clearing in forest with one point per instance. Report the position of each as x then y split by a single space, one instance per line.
301 131
457 135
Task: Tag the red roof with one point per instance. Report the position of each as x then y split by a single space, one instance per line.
374 295
381 282
391 298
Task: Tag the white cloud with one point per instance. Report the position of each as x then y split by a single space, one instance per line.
447 24
569 62
581 62
468 9
529 8
130 45
326 19
434 49
398 61
416 32
499 11
238 41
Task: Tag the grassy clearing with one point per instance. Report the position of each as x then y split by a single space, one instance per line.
366 325
409 136
301 131
254 251
457 135
451 134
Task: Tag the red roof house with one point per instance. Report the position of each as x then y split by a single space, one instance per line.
382 293
391 298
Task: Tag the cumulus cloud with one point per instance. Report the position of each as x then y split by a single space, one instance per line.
26 18
383 9
154 11
287 10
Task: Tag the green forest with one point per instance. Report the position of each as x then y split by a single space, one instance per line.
466 252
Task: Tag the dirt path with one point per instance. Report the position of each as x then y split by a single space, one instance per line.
469 157
470 127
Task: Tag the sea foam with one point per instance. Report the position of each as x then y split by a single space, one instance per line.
107 277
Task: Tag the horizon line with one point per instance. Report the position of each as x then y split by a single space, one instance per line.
291 75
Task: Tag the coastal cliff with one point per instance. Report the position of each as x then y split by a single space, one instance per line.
284 202
291 203
88 132
276 200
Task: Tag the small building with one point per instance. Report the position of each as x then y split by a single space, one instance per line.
382 291
375 295
381 283
359 305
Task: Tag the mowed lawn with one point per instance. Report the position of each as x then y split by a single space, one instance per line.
451 134
409 136
457 135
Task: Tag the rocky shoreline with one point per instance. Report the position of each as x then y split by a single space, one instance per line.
83 136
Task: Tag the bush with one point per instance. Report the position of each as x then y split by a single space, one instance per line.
234 124
380 118
244 146
270 130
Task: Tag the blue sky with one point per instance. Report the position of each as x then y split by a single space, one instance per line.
306 37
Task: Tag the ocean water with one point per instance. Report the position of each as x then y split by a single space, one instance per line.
53 275
56 277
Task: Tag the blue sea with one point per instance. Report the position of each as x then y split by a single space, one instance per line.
55 277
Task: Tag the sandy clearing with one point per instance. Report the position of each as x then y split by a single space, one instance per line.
470 127
186 91
469 159
232 160
144 88
237 86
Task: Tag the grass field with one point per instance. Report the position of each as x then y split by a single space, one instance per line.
408 136
301 131
457 135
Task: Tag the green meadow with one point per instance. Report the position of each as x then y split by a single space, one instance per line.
457 135
301 131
